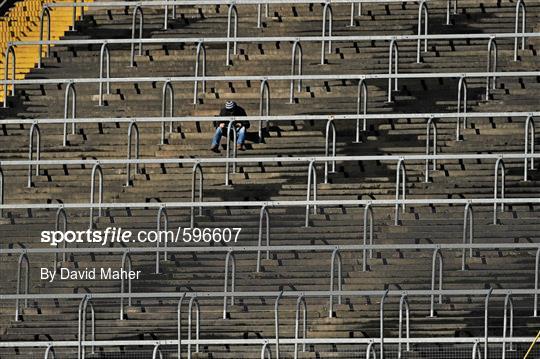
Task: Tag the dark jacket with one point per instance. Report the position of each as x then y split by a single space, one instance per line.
237 111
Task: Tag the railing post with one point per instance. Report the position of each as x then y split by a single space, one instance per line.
179 325
49 351
353 4
403 301
276 321
401 182
448 10
486 316
83 305
166 90
70 90
536 279
44 12
229 258
137 11
296 49
262 215
327 14
462 90
162 213
370 350
492 59
60 213
437 257
22 258
530 134
264 106
232 9
361 101
265 351
104 54
476 351
126 257
330 125
520 9
230 131
422 10
508 302
468 223
95 169
197 169
9 50
132 125
201 49
34 128
300 301
381 322
431 125
499 164
195 301
368 215
2 184
157 352
393 53
311 187
335 255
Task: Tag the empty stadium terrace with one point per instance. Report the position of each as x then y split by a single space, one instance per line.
387 195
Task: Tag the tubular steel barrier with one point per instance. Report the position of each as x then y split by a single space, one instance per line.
136 11
50 351
335 255
530 130
401 183
229 258
462 98
232 9
437 258
162 213
368 214
404 302
448 10
132 128
104 55
381 325
263 214
194 300
499 164
168 89
520 10
95 169
44 12
362 98
327 14
265 351
508 305
201 49
330 125
22 258
431 125
70 90
393 52
486 327
197 169
468 223
33 129
301 301
422 10
492 57
296 49
60 213
81 333
276 321
264 105
126 258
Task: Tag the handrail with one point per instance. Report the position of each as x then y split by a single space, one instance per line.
401 183
264 106
96 169
462 96
335 255
536 279
403 301
49 350
276 321
499 164
136 11
300 301
352 12
327 14
197 323
229 258
2 191
381 319
162 213
311 187
368 214
468 219
156 352
486 325
492 57
330 125
44 12
476 351
179 325
60 213
9 50
33 128
200 49
81 333
422 10
361 98
296 49
508 302
393 52
265 351
132 126
126 257
22 258
263 214
167 89
232 8
520 9
197 169
448 10
70 90
231 132
370 351
437 258
104 54
431 125
530 129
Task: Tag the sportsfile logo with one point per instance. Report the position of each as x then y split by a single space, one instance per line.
118 235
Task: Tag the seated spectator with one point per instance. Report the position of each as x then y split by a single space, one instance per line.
233 110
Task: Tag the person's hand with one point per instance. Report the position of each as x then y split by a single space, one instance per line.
222 125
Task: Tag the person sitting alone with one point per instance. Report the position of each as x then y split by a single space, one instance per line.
231 109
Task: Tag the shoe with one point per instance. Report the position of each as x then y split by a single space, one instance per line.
215 149
240 148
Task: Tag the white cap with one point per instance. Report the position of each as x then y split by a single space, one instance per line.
229 105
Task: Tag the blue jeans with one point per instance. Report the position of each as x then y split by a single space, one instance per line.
240 136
